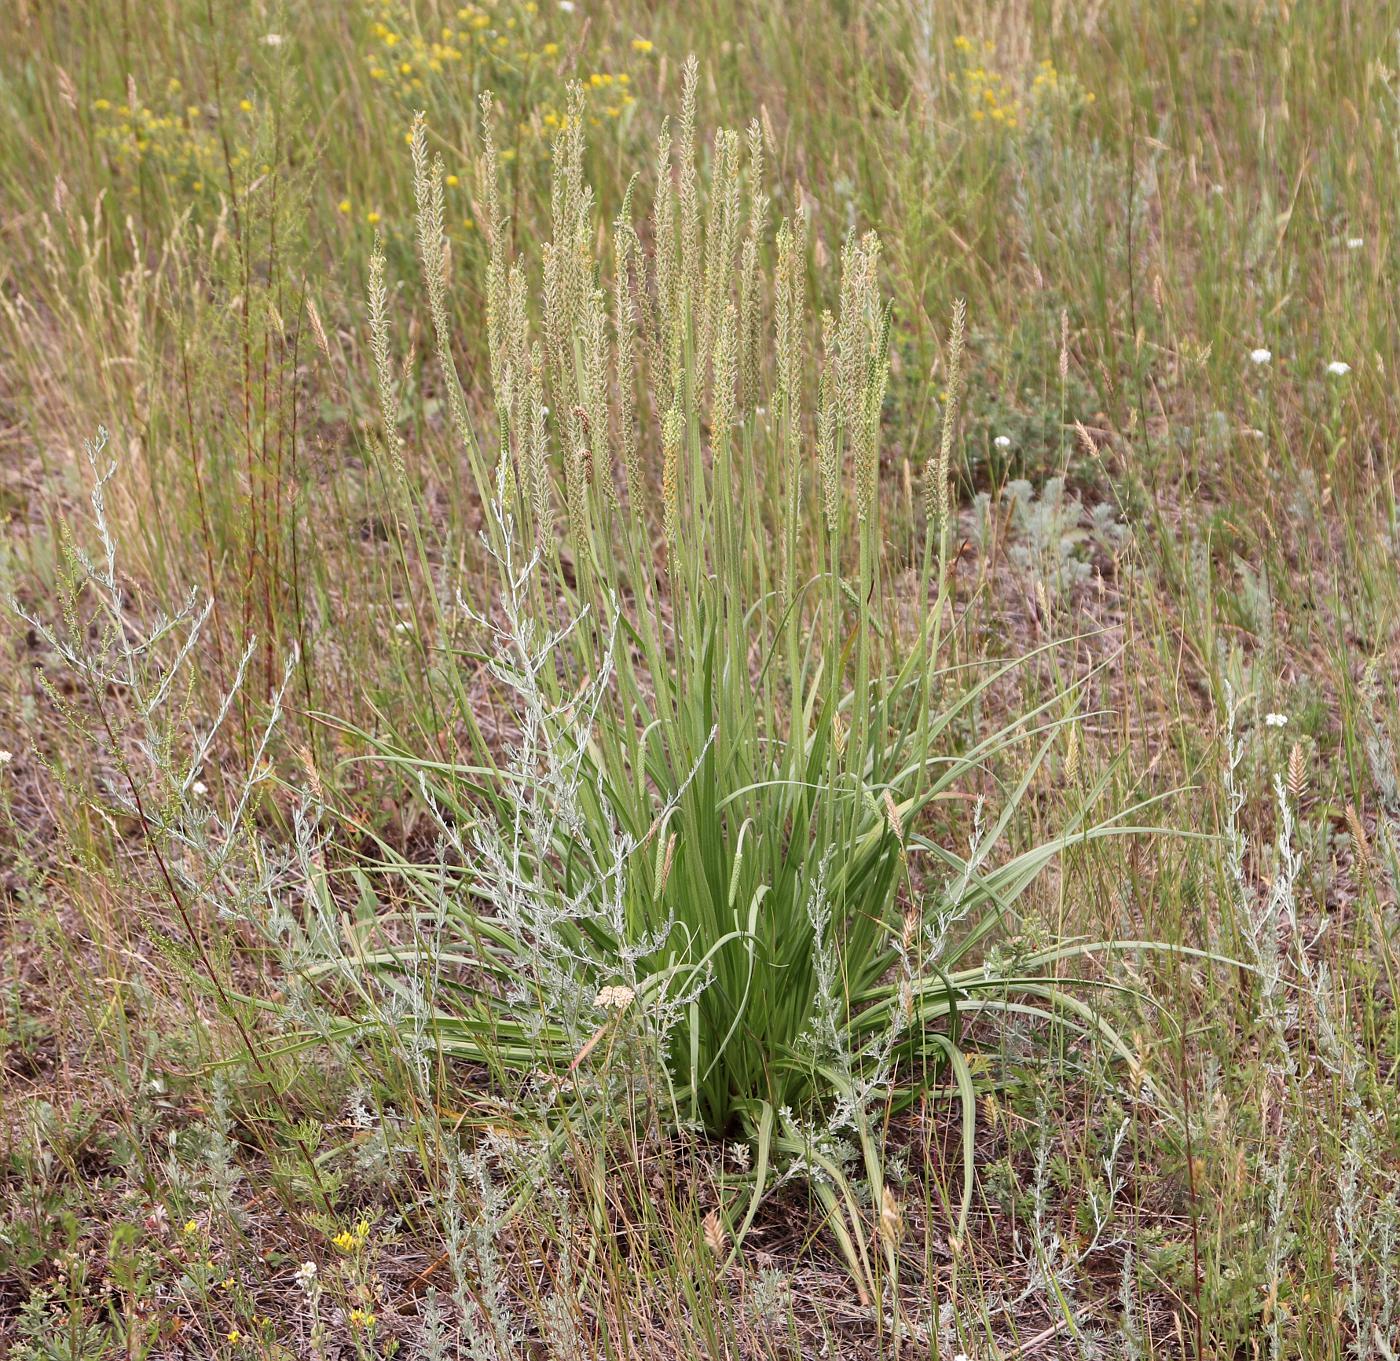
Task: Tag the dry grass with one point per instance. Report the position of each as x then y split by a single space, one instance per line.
1180 185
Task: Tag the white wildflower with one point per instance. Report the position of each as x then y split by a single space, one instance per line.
1355 242
1275 720
6 757
617 997
1002 441
1260 356
306 1276
1339 368
272 40
199 788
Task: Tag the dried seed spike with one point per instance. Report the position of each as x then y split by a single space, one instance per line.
910 928
891 1218
317 329
1358 835
1042 600
768 134
313 777
937 509
715 1238
1297 772
381 350
892 812
67 89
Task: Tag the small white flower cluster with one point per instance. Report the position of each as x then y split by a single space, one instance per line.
1338 368
617 997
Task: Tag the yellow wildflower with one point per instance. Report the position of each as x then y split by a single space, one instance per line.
642 45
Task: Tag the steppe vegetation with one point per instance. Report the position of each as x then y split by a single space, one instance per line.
699 681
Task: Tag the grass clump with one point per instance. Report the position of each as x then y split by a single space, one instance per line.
697 830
